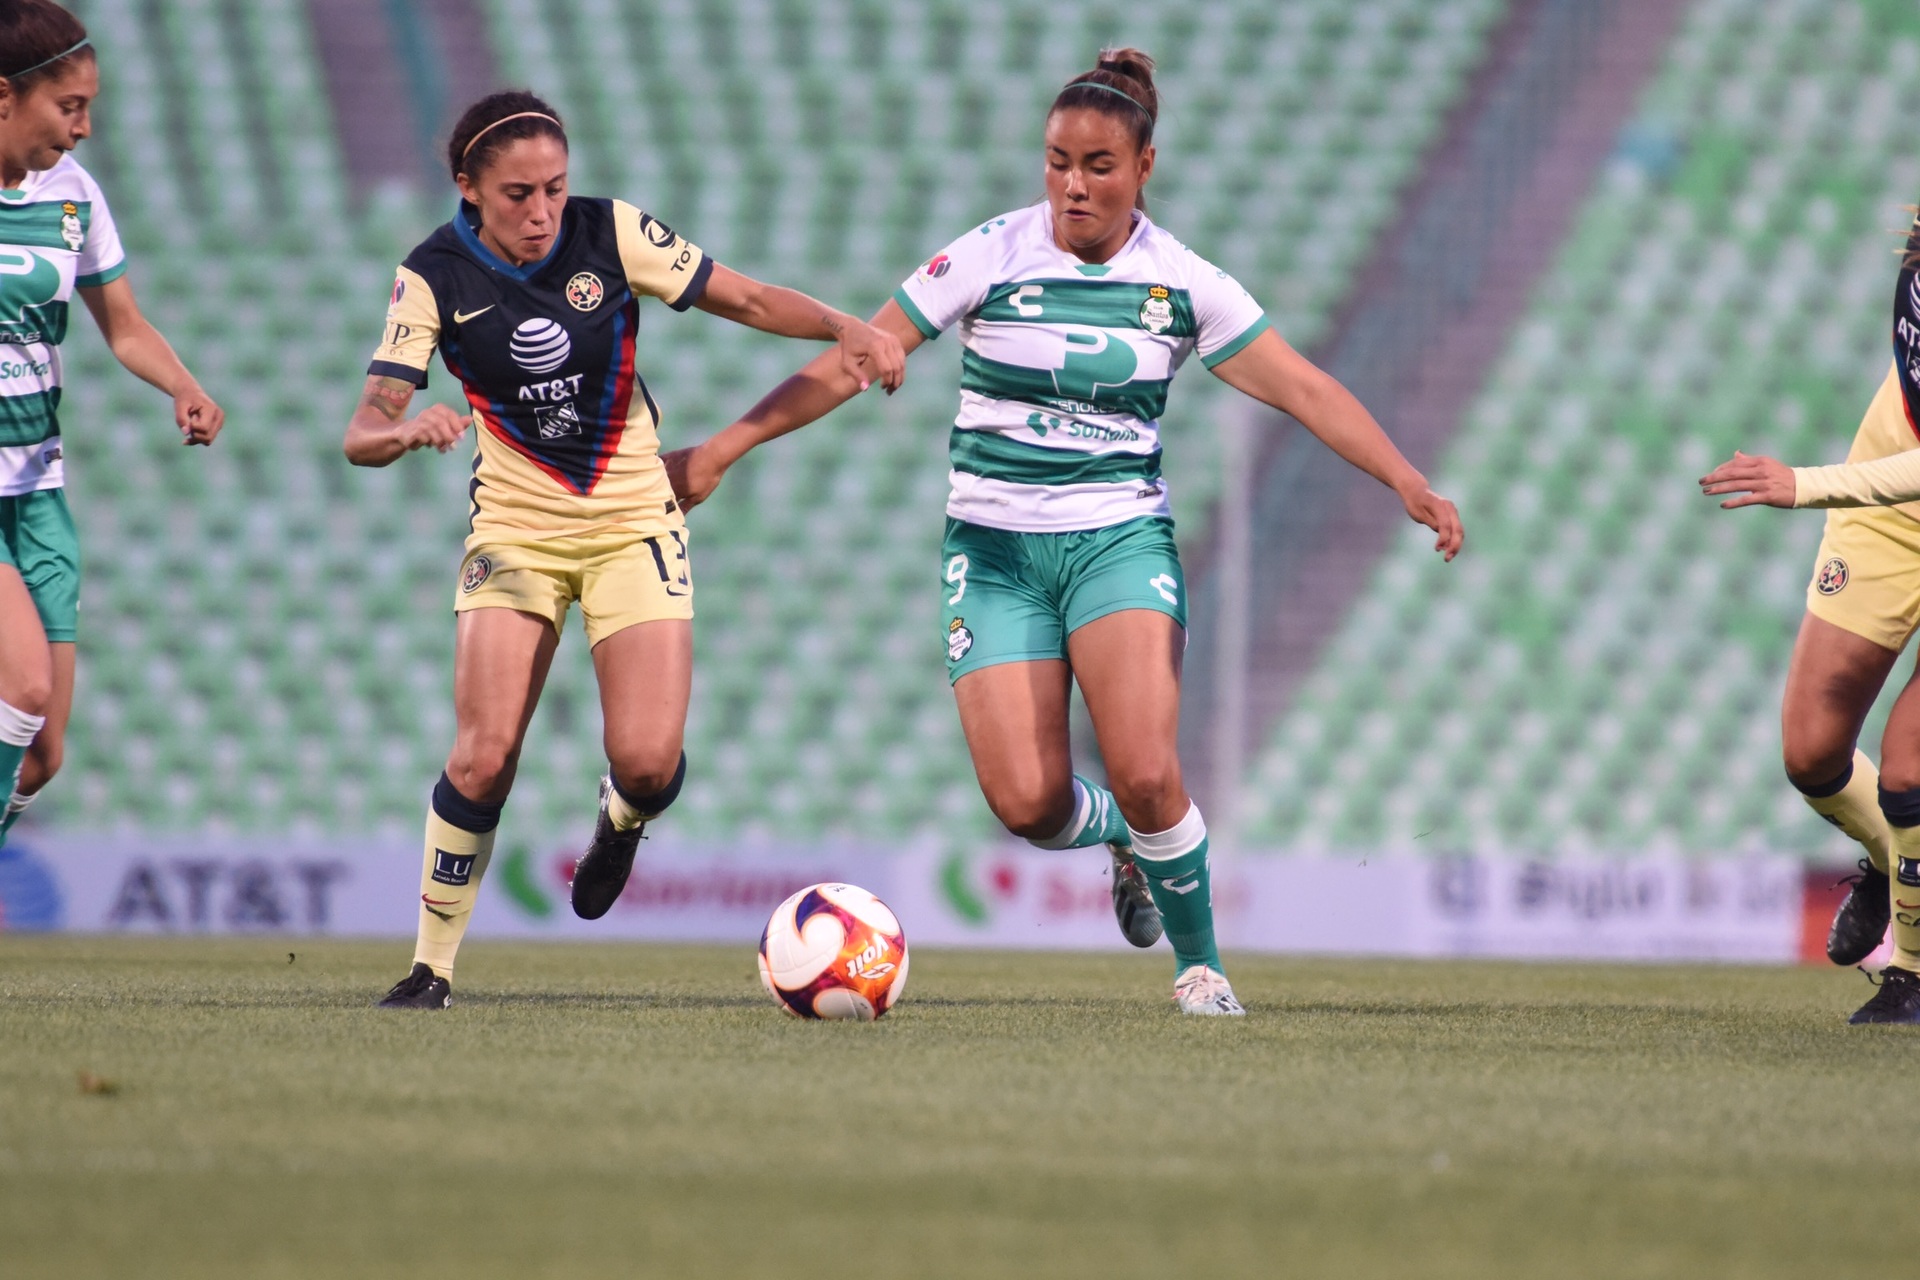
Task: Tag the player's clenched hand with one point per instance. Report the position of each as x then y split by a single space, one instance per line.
694 474
197 416
1758 481
1439 515
867 353
439 427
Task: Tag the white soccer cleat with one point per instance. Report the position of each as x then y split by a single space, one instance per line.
1206 993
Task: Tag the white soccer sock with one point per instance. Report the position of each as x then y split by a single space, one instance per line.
1182 837
1083 813
17 728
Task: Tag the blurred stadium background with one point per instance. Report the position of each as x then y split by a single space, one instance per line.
1571 252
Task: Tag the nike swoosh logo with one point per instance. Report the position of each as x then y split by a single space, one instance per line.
461 317
1188 887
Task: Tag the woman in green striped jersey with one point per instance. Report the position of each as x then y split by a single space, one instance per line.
1059 563
56 238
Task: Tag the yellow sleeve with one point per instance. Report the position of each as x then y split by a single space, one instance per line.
413 330
658 262
1883 482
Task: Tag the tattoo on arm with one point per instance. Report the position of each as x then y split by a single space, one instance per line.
388 397
833 324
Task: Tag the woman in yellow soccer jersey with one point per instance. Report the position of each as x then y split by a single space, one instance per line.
1862 607
1059 563
57 238
532 298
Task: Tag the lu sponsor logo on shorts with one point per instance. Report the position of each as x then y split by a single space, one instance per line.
1833 577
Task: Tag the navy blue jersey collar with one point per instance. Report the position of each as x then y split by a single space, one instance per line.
467 218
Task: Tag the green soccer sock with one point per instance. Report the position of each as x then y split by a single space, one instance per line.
11 814
1096 820
1175 863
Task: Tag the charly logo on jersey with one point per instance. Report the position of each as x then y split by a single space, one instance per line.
1156 313
1913 295
585 291
540 345
70 229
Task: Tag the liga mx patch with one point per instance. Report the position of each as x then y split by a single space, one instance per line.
452 868
476 573
1833 577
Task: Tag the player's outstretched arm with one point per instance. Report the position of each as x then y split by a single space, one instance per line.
1757 481
381 431
1275 374
822 386
867 353
138 346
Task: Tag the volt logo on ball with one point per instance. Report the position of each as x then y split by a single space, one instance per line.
540 345
834 951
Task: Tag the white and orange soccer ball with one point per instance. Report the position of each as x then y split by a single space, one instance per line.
834 951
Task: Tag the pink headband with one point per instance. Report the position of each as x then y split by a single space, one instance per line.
518 115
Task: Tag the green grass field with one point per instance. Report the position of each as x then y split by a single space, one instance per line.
645 1111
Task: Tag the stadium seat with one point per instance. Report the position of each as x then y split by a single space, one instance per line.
1601 670
299 609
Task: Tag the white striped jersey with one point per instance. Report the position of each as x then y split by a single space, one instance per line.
1065 366
55 236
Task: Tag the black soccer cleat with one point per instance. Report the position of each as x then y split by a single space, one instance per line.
1897 1000
603 869
420 989
1861 922
1133 903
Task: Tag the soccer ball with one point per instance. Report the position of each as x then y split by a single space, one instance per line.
834 951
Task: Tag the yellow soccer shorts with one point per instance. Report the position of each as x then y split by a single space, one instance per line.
619 578
1866 578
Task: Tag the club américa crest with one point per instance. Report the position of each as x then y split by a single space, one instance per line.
584 291
475 573
1833 577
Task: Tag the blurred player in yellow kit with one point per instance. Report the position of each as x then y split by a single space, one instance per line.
532 299
1862 607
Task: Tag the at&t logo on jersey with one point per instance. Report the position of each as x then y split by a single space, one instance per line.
540 345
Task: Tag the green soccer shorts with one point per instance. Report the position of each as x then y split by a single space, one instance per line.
1016 597
37 538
